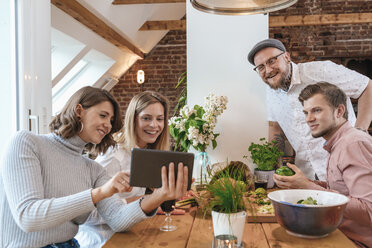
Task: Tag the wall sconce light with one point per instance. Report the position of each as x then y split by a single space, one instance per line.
140 76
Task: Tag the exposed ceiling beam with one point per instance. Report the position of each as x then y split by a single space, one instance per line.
146 1
275 21
164 25
325 19
84 16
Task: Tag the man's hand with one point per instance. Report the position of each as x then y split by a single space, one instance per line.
297 181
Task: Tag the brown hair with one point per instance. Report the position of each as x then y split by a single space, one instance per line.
333 95
139 102
66 124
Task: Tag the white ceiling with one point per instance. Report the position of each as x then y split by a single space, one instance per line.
125 20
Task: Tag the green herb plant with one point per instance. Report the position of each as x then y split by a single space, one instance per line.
265 155
236 171
227 193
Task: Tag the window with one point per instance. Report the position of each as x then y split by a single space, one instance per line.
85 72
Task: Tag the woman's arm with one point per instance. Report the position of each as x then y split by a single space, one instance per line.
117 184
133 198
24 188
117 160
122 217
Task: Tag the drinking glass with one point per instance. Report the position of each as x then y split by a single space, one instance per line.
260 181
168 207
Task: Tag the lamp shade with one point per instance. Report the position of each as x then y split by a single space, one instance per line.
240 7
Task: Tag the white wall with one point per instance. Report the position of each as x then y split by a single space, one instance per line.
217 48
7 93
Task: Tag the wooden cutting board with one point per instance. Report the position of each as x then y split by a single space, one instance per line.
254 216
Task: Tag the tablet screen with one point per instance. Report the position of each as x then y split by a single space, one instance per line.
145 167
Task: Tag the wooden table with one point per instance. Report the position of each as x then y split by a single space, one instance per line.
194 231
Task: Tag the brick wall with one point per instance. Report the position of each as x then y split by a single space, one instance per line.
316 7
335 42
162 66
339 43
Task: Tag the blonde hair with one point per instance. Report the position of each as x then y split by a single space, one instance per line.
128 138
66 124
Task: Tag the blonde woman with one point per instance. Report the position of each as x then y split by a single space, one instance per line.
47 188
145 126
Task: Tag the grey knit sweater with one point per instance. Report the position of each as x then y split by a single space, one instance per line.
45 192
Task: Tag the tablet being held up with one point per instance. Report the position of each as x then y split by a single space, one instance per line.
145 166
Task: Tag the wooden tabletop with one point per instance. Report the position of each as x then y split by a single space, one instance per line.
194 231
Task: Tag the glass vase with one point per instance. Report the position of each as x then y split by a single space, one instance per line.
201 171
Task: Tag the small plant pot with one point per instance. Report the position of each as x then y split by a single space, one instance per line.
270 173
231 224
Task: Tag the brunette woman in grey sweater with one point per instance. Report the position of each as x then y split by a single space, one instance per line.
47 188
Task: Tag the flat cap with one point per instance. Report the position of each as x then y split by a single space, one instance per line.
264 44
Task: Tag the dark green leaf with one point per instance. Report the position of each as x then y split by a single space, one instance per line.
214 143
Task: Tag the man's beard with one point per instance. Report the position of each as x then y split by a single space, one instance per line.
284 81
322 133
329 129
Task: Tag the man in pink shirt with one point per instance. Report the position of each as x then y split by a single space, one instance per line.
349 167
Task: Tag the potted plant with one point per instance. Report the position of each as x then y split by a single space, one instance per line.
265 156
224 198
194 127
227 204
231 169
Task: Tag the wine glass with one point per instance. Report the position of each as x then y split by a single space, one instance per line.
168 207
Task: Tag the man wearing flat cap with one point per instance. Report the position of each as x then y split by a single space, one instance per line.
286 80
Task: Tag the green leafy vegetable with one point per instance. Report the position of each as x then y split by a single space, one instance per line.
284 171
308 201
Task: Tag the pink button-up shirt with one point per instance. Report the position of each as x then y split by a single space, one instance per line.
349 172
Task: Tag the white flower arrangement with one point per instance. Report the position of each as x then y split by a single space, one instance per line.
194 126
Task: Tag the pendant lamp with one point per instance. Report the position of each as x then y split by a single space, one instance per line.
240 7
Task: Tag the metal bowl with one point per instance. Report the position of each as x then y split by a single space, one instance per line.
308 221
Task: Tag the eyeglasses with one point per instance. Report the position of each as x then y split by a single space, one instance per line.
270 62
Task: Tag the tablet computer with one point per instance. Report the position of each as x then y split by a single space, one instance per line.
145 166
